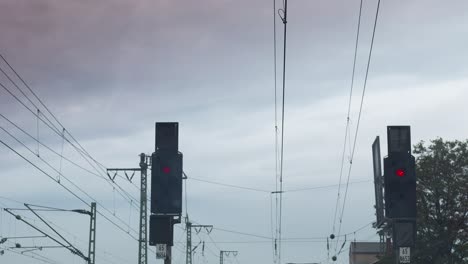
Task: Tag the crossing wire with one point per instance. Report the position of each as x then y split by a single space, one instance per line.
269 192
64 230
82 242
53 151
230 185
69 190
54 129
53 168
29 88
52 126
359 117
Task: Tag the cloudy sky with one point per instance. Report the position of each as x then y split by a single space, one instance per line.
109 69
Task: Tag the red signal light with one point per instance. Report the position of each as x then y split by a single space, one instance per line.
166 170
400 173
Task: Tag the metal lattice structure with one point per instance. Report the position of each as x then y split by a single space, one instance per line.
143 241
92 235
143 232
225 252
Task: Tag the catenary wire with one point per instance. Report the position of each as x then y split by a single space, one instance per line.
66 178
58 154
34 255
44 161
68 190
284 19
230 185
359 115
54 129
275 68
50 124
347 129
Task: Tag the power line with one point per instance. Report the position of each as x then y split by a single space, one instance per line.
286 239
29 88
284 19
48 148
359 116
274 236
68 190
241 233
209 236
33 255
323 186
71 248
230 185
53 168
273 233
80 150
266 241
62 229
286 191
22 92
58 227
324 237
63 157
54 129
347 129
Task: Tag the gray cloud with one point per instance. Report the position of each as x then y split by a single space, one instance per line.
110 69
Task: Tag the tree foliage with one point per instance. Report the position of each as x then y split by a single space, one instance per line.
442 202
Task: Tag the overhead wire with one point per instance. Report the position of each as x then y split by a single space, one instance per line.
29 88
230 185
287 238
266 191
85 243
82 242
33 255
347 129
45 106
22 92
54 128
273 234
275 72
266 241
53 168
241 233
70 246
58 227
182 251
212 242
284 19
69 190
359 115
323 186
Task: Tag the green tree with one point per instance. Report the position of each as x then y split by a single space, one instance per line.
442 202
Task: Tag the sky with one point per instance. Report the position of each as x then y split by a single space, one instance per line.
108 70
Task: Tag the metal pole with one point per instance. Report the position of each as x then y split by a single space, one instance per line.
221 254
143 245
188 259
92 235
168 259
397 256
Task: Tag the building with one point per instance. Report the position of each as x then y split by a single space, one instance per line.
365 252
